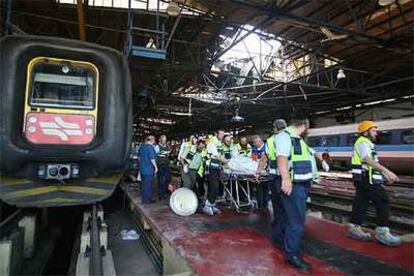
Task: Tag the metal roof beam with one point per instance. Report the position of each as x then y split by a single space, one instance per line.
278 13
218 55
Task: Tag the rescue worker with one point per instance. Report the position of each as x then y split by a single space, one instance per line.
294 165
243 147
270 160
368 176
259 148
258 151
214 164
185 158
201 172
185 144
163 151
194 160
228 149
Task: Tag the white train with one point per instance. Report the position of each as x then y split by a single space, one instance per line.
395 144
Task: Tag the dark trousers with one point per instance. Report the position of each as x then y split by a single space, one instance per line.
295 208
292 217
146 188
213 179
364 193
190 179
200 186
279 214
263 194
164 178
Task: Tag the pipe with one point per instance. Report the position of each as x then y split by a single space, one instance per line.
81 20
7 14
173 30
95 266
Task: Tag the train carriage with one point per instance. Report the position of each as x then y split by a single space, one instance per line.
395 144
66 121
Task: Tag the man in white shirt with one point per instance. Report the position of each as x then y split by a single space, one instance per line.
216 160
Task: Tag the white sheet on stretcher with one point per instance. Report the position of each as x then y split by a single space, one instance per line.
242 165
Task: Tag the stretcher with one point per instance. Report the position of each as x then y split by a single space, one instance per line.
237 189
238 176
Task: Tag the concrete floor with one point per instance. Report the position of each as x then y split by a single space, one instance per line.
130 257
240 244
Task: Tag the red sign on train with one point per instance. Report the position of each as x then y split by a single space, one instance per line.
59 129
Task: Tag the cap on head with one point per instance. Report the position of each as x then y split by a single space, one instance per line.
201 140
365 126
227 134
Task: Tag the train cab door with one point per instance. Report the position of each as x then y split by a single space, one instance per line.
61 102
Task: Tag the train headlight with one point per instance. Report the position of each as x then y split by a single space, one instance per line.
60 171
53 171
41 171
74 171
31 129
64 172
65 69
32 120
89 122
88 131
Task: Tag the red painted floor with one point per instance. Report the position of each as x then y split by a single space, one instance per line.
335 233
230 244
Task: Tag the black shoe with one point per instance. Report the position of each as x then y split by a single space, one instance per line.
299 263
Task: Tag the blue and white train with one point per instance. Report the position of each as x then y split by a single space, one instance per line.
395 143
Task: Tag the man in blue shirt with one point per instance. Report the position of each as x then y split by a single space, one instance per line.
147 168
163 152
295 167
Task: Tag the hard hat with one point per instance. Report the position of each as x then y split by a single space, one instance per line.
184 202
365 125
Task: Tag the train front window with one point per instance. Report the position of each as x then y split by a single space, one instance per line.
351 138
314 141
63 85
407 137
384 138
330 141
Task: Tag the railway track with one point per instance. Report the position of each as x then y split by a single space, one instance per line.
405 181
10 221
94 257
335 192
95 266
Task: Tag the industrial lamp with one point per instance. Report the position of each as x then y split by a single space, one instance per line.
384 3
341 74
173 9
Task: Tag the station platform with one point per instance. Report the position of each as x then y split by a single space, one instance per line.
239 244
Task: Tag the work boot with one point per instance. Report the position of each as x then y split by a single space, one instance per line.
355 231
299 263
383 235
216 210
208 209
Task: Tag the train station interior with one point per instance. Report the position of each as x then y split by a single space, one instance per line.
206 137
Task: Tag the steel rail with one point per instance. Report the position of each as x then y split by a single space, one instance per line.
95 267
